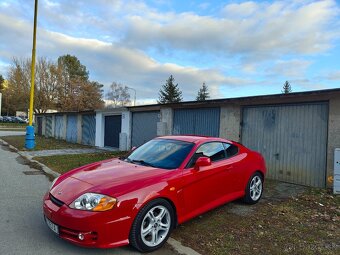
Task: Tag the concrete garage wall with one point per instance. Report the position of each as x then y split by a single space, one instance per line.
164 127
230 120
125 132
333 136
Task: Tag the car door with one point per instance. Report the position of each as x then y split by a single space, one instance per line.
205 186
236 169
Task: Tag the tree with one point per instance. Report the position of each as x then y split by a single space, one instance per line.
75 91
286 88
63 85
118 94
170 93
203 93
2 83
73 68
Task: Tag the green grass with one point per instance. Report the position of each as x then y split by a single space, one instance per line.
12 125
42 143
64 163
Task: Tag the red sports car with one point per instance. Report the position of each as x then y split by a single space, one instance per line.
140 198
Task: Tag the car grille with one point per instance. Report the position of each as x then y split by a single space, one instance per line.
56 201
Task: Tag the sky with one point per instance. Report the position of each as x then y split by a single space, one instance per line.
238 48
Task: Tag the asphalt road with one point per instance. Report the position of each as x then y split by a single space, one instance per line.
23 230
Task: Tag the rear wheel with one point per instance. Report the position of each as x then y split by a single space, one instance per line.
152 226
254 189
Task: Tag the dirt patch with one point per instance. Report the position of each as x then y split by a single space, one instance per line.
290 219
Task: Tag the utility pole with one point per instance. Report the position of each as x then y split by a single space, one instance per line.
134 100
30 139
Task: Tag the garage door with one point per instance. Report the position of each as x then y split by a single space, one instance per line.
59 127
72 129
202 121
113 125
144 127
292 139
39 123
48 128
88 129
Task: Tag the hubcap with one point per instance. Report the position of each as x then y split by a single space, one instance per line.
255 188
155 225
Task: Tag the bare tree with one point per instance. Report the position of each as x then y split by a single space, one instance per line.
118 94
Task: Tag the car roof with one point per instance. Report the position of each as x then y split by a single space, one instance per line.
194 138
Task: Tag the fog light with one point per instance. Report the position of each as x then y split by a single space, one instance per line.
81 236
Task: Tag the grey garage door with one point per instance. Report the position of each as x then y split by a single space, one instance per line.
88 135
113 125
144 127
202 121
71 129
292 139
59 127
48 128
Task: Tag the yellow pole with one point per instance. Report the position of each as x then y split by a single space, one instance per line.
33 63
30 139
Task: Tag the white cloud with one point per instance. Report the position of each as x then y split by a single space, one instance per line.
333 76
291 68
258 30
109 62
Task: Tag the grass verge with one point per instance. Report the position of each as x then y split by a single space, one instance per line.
42 143
12 125
64 163
305 224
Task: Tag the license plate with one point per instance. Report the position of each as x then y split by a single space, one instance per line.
52 226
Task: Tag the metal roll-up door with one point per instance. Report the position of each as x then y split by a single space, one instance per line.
89 129
113 126
48 128
59 127
202 121
144 127
292 139
39 124
71 129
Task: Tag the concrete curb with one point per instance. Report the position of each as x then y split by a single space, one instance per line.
44 168
176 245
181 249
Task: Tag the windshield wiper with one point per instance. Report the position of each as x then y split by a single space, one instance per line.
142 162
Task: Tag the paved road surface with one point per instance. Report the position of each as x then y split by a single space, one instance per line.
6 133
23 230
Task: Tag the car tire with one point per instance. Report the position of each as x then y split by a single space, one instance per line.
152 226
254 189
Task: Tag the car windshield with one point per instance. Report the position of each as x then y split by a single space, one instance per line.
161 153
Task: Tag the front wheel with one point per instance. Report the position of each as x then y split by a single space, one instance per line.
152 226
254 189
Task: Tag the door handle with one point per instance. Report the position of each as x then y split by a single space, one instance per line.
229 168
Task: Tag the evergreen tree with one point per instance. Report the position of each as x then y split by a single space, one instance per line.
170 93
203 93
286 88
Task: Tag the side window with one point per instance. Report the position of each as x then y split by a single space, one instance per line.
214 150
230 149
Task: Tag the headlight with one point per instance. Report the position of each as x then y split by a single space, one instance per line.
53 182
94 202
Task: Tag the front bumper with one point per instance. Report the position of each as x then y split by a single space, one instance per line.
98 229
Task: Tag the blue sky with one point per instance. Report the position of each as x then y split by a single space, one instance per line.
239 48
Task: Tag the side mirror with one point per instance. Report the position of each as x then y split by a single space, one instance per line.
133 148
202 161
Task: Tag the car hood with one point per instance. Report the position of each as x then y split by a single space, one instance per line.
113 178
